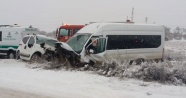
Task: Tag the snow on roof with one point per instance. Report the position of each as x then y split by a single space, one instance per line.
96 27
18 27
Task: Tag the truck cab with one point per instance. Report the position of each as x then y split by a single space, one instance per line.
66 31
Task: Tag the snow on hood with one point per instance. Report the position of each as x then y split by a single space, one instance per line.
67 47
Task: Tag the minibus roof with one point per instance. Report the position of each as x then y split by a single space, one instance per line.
98 27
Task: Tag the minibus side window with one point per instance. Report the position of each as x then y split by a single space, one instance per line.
101 45
133 41
97 45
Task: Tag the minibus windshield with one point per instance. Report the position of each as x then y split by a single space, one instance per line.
77 41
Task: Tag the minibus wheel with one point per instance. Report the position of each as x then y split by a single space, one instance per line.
158 60
139 61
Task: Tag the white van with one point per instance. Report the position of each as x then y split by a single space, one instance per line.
124 41
30 47
10 37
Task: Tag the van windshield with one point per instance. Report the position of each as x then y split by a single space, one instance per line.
77 41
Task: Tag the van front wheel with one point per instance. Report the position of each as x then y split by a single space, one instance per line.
35 58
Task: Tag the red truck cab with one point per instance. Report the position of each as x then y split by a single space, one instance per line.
67 31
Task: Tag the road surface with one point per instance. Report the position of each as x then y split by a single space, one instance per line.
9 93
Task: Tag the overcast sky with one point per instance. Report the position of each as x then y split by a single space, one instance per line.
47 15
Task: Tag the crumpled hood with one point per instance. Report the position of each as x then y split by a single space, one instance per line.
49 47
66 47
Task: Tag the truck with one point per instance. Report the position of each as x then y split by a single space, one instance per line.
66 31
10 37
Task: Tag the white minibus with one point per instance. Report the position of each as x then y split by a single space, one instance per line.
125 41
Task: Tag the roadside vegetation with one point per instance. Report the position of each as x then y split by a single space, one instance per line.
171 71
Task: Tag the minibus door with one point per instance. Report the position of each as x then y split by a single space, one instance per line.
96 49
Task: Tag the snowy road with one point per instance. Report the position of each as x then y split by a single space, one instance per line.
18 80
9 93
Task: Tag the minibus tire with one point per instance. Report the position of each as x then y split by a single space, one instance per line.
139 61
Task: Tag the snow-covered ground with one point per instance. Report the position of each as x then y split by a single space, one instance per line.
176 50
17 80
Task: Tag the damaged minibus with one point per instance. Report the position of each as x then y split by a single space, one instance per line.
105 41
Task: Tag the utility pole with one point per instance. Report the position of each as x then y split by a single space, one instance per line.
146 19
132 17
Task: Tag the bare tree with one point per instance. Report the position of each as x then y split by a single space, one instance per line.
168 34
178 33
